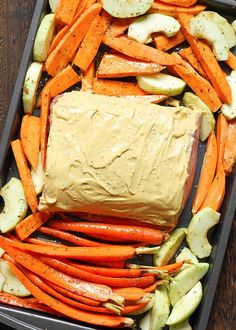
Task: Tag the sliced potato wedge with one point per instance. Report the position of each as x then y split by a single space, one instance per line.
53 5
38 176
15 205
142 27
229 110
125 9
30 87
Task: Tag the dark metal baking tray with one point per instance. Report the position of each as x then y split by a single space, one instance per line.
22 319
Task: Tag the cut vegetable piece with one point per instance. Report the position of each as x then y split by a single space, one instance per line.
168 9
147 308
38 176
137 50
88 77
144 323
191 58
161 83
116 88
192 101
11 284
15 205
125 9
66 11
231 61
2 280
182 3
164 43
185 280
198 228
160 310
184 325
43 38
186 306
53 5
117 65
169 248
234 25
230 148
44 114
30 138
221 136
62 54
118 26
229 110
30 87
226 29
187 255
142 27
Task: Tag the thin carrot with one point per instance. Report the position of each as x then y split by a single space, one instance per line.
230 148
116 65
25 175
60 34
30 138
216 192
118 26
114 264
30 224
63 52
231 61
42 242
198 84
116 88
221 136
139 51
88 77
181 3
92 41
191 58
153 286
162 42
44 115
134 233
207 173
66 11
172 10
172 268
208 61
110 239
96 319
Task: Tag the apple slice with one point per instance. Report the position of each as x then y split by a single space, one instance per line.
161 83
30 87
2 281
145 309
187 255
44 37
234 25
53 5
181 326
38 176
15 207
229 110
125 9
144 323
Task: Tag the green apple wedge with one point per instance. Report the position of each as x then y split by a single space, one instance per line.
187 255
181 326
125 9
2 281
145 309
53 5
186 305
234 25
161 83
15 205
229 110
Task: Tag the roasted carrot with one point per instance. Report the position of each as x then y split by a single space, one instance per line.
30 138
168 9
114 264
162 42
118 26
42 242
208 61
88 77
198 84
116 65
216 192
116 88
25 175
207 173
131 294
231 61
63 52
97 319
153 286
66 11
181 3
30 224
221 136
134 233
191 58
60 34
139 51
44 118
230 148
92 41
172 268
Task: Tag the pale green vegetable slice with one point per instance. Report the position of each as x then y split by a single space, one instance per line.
125 9
181 326
186 254
229 110
2 281
160 310
186 305
234 25
53 5
144 323
151 296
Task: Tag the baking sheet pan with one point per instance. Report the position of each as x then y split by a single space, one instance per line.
22 319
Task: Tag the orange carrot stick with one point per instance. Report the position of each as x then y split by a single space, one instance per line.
181 3
230 148
116 88
208 61
207 173
97 319
221 136
30 224
44 115
61 55
25 175
58 38
162 42
92 41
216 192
231 61
191 58
118 26
116 65
139 51
172 10
30 138
88 77
131 294
66 11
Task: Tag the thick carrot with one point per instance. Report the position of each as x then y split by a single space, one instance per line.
168 9
116 65
88 77
231 61
181 3
191 58
60 34
92 41
198 84
221 136
96 319
207 173
118 26
25 175
131 293
30 138
63 52
139 51
66 11
30 224
44 115
162 42
230 148
216 192
116 88
208 61
134 233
